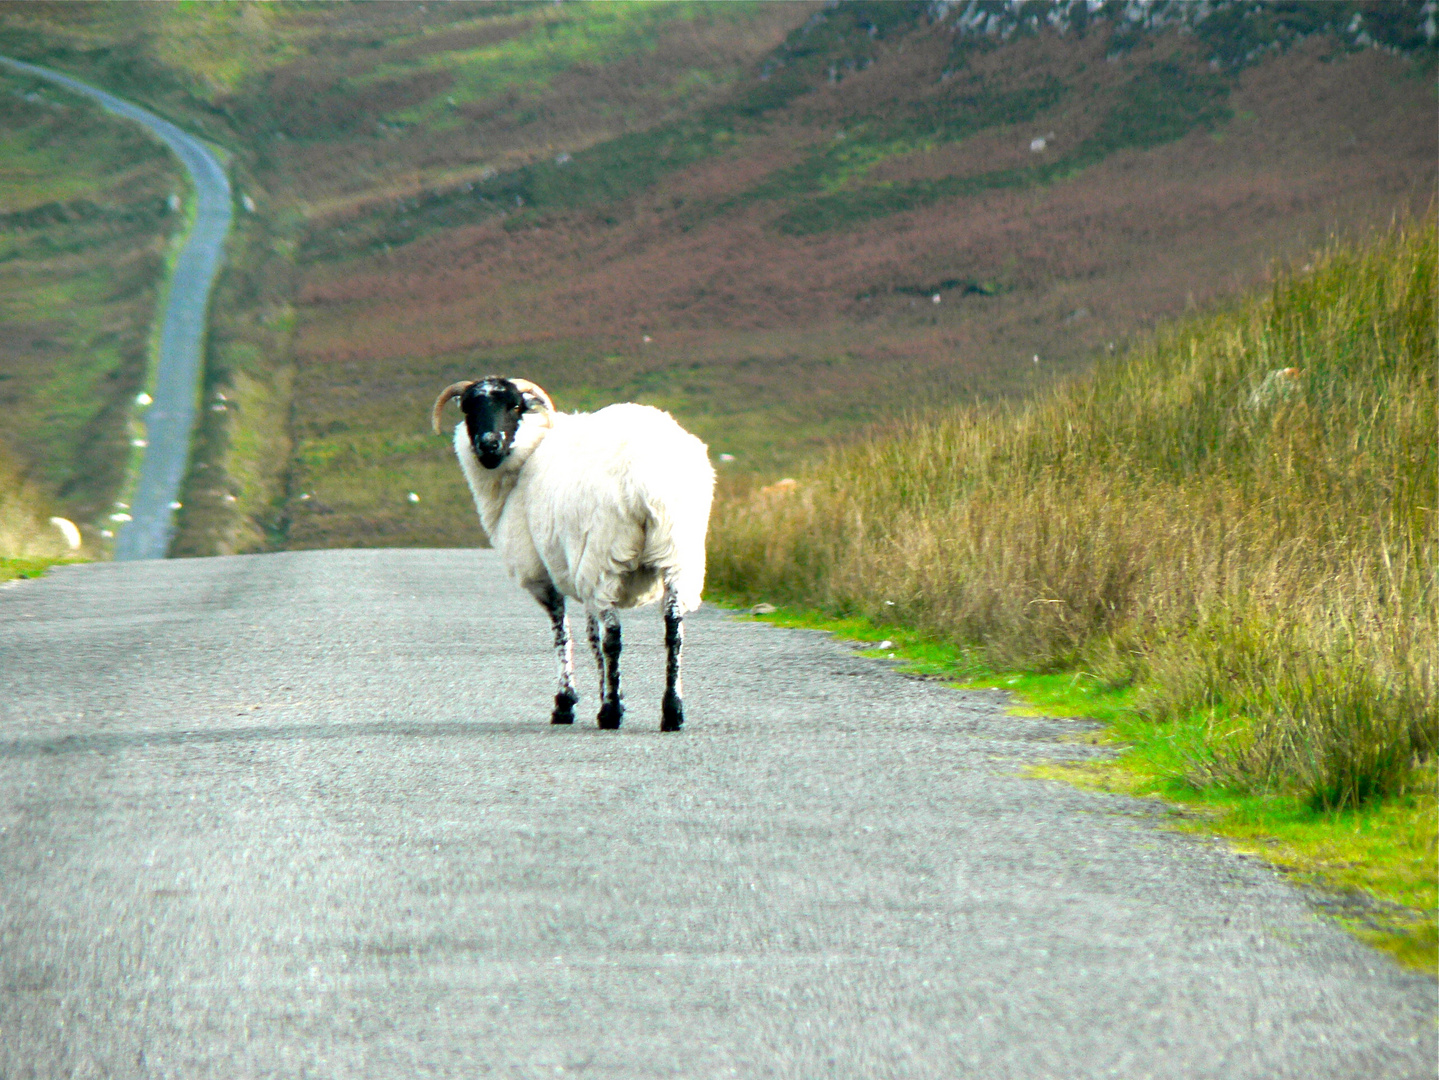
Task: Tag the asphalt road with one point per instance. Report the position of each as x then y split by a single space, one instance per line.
171 417
303 815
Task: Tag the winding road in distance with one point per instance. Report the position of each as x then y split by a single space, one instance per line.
171 418
304 815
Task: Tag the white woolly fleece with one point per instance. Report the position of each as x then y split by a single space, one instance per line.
608 506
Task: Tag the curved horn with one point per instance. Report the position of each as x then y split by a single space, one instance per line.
452 391
529 389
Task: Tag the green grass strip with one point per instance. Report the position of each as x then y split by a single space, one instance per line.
21 567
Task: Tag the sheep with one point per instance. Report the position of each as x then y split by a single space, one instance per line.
69 531
607 508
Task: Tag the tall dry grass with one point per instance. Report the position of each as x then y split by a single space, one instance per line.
1254 546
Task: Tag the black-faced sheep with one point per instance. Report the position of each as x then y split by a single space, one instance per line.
608 508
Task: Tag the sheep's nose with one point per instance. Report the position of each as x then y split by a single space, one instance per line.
490 441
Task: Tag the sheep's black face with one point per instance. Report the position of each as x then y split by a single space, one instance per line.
492 409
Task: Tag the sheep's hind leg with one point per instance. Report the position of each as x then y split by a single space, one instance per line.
565 696
612 705
592 628
672 710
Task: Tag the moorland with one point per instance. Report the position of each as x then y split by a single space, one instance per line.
783 222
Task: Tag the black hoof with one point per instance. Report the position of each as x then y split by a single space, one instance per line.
672 713
564 709
611 713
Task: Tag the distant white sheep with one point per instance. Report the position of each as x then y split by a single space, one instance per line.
609 508
69 531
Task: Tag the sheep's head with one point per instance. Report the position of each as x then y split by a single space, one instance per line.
495 410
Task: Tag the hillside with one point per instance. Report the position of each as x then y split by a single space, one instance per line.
87 207
782 222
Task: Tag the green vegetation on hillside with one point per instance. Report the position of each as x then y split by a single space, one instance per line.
1162 100
1158 100
1234 524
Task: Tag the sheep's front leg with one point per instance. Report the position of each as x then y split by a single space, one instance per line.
565 697
672 710
607 653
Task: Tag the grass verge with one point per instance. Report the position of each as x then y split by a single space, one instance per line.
1236 518
10 569
1371 868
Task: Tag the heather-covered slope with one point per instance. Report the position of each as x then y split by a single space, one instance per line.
780 221
765 290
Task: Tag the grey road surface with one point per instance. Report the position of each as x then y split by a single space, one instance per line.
171 417
302 815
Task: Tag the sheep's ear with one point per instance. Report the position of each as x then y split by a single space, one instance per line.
535 399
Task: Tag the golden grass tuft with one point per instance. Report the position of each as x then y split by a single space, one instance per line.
1256 552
